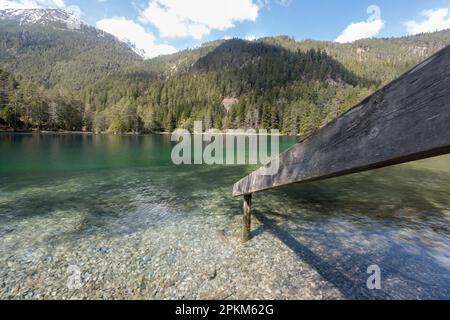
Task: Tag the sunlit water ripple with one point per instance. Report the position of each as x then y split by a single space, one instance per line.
137 226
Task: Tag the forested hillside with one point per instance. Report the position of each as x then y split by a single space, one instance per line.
374 59
60 56
24 105
73 78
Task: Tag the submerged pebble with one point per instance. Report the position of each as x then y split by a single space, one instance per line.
111 231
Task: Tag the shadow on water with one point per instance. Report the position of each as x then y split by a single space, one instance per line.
348 287
398 218
395 218
401 278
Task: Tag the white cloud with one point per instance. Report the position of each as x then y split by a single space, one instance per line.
197 18
133 33
363 29
267 3
435 20
75 10
360 30
125 30
31 4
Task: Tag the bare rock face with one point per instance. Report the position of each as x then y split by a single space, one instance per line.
335 83
228 102
420 51
361 53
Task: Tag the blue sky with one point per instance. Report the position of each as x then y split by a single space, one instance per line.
164 26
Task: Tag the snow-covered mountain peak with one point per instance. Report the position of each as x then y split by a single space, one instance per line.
45 17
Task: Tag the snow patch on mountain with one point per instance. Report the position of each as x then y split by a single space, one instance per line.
59 19
46 17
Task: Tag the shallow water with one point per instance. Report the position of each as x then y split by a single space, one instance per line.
133 225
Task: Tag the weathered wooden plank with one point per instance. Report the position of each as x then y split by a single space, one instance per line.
407 120
247 217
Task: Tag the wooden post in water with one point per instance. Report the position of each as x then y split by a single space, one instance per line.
407 120
247 217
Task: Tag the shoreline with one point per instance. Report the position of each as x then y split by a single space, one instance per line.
139 134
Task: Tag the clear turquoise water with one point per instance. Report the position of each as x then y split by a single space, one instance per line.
69 197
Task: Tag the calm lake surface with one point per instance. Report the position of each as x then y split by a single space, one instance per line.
85 216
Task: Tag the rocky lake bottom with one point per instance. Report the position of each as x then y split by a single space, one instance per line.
76 225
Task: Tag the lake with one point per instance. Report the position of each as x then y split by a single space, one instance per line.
103 216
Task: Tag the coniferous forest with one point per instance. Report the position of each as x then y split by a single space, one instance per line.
56 79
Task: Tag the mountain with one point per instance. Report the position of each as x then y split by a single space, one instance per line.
56 49
375 59
44 17
274 82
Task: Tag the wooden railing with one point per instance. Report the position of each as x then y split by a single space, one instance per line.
407 120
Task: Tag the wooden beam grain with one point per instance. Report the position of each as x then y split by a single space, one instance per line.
407 120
